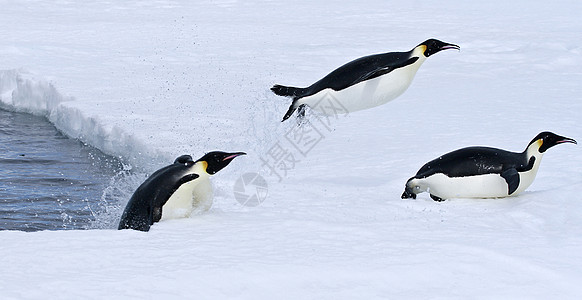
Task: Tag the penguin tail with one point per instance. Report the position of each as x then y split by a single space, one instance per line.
286 91
295 93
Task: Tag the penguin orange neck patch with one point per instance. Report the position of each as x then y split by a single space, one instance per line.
204 165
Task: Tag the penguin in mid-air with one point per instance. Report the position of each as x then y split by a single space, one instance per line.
482 172
362 83
174 191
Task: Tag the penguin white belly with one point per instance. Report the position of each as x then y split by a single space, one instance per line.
193 196
527 178
364 95
479 186
203 196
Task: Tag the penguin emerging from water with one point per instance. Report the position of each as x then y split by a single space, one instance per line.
174 191
482 172
363 83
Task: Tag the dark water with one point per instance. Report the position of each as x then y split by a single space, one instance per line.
48 181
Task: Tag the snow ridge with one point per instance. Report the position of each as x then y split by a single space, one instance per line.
22 91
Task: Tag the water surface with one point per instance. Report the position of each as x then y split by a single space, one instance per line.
48 181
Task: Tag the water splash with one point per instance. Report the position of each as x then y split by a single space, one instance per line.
115 197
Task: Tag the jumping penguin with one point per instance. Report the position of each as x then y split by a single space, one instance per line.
362 83
482 172
174 191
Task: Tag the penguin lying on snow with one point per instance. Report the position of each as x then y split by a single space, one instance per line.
363 83
482 172
174 191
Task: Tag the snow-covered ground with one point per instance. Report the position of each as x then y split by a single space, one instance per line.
151 80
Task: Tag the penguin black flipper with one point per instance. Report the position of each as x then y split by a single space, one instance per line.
157 210
437 199
511 176
382 71
185 179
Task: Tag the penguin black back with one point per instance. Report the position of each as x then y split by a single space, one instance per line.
475 160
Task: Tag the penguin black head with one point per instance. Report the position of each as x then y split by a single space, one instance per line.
408 191
217 160
545 140
433 46
184 160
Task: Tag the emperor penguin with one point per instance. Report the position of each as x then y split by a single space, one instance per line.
362 83
482 172
174 191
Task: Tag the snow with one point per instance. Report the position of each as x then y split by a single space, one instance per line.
151 80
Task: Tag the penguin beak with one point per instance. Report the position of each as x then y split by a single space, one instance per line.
450 46
233 155
566 140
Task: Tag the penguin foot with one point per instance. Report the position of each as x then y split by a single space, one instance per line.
301 114
435 198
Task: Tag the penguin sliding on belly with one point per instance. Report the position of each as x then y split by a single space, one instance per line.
482 172
174 191
363 83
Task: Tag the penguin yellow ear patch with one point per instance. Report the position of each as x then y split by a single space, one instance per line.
204 165
540 142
